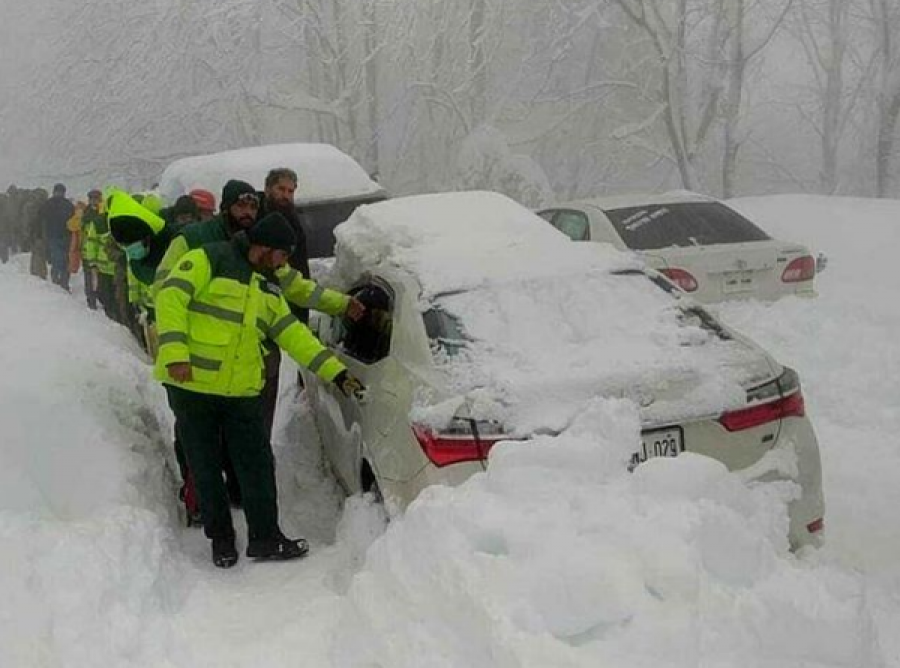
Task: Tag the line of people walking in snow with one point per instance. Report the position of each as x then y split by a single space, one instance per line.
213 298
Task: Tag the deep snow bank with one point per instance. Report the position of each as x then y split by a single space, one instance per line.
556 557
83 527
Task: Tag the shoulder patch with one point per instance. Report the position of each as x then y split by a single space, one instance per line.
187 265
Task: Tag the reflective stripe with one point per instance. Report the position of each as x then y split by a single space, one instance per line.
162 273
281 325
262 326
289 279
205 363
181 284
216 312
319 360
313 300
173 337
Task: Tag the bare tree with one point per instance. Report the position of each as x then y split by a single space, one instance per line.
701 58
885 18
840 69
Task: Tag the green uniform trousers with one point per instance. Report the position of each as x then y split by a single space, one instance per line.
207 424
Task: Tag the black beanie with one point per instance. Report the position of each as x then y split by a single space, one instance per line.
234 189
273 231
185 205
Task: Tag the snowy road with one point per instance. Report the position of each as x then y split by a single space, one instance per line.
552 559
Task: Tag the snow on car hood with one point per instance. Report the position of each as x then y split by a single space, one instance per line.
548 324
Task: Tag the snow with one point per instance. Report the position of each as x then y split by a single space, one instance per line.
552 557
532 360
324 172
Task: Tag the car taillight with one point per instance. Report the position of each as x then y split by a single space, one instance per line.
799 269
816 525
680 277
787 402
464 440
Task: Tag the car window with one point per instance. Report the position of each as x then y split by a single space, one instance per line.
574 224
445 332
369 339
682 224
319 221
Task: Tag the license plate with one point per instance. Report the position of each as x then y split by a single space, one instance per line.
659 443
738 281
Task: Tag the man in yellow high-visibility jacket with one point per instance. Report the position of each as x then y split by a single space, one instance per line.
214 312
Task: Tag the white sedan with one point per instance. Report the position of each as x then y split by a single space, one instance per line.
484 324
702 245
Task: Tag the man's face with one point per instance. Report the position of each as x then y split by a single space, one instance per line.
281 193
184 218
94 202
243 212
206 214
270 258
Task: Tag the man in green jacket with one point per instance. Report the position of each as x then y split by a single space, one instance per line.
239 207
214 310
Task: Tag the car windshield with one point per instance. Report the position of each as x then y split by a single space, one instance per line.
682 224
319 221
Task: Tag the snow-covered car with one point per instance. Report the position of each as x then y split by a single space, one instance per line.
330 185
701 244
484 324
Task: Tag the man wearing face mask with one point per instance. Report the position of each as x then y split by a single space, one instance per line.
215 309
144 237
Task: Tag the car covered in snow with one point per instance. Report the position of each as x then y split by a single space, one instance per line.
330 185
484 324
701 244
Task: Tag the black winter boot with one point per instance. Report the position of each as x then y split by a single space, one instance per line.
279 548
224 554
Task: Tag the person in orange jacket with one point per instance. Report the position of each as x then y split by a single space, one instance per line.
74 227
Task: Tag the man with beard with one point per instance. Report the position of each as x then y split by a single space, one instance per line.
281 184
238 212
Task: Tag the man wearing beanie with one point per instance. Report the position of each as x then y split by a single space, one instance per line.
240 205
215 309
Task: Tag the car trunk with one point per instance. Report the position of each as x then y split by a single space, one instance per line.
728 271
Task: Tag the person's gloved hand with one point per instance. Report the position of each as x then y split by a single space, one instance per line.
350 386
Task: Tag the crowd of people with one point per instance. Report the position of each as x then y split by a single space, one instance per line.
213 294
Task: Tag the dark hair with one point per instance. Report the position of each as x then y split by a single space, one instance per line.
275 175
185 205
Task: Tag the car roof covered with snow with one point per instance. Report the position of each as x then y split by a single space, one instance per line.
324 172
458 241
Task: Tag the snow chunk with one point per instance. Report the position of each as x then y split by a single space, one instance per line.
556 557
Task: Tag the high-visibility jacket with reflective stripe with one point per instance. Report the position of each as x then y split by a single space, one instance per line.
302 292
138 293
215 312
95 242
306 293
